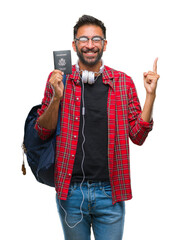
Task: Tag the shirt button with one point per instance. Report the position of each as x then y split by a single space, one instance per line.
73 155
77 99
76 118
69 174
75 136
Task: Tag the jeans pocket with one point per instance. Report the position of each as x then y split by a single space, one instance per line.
107 191
71 191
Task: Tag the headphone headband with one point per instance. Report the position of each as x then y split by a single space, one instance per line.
88 76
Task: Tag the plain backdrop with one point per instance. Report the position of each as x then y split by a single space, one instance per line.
137 33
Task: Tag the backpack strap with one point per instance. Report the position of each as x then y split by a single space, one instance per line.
59 113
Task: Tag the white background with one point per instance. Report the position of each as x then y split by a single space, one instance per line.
137 33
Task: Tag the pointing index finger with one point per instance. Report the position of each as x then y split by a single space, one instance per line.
155 65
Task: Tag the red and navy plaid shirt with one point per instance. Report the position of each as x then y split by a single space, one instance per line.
124 122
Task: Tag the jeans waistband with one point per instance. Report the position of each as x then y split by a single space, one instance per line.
90 183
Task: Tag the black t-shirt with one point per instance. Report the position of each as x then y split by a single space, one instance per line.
96 135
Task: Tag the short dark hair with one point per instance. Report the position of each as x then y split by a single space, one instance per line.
89 20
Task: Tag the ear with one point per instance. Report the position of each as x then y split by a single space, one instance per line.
74 46
105 45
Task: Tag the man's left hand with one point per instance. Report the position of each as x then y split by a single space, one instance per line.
151 79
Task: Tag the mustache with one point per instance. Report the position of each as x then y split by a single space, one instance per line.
86 50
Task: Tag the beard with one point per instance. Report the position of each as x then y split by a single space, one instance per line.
92 61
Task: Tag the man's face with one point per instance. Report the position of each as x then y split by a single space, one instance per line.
89 52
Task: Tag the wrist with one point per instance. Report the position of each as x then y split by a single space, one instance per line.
148 107
150 97
56 99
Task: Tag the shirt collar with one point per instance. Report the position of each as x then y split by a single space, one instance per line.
107 76
75 76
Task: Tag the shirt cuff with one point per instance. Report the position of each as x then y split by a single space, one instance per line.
146 125
43 132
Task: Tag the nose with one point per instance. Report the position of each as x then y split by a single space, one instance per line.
90 43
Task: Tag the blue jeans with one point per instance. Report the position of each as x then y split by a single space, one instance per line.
106 219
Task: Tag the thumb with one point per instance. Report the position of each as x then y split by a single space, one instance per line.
145 74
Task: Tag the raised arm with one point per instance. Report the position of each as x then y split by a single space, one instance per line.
150 83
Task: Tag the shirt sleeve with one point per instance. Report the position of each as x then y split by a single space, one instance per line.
138 128
48 93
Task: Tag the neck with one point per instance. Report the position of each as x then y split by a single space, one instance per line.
95 68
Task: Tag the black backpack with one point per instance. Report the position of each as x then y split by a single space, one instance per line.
40 153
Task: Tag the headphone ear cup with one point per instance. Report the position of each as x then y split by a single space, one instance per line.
85 76
91 78
102 67
77 67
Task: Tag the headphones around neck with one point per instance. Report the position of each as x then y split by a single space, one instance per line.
88 77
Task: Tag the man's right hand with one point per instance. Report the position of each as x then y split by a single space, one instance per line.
49 118
57 84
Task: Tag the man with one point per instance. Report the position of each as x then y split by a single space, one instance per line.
92 174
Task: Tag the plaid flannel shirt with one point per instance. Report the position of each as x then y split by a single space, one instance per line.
124 122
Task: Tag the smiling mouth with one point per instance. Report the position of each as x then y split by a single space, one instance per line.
90 54
93 50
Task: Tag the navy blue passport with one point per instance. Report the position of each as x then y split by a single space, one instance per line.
62 61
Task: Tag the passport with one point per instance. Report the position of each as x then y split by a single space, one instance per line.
62 61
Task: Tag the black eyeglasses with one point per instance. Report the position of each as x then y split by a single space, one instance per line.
95 39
